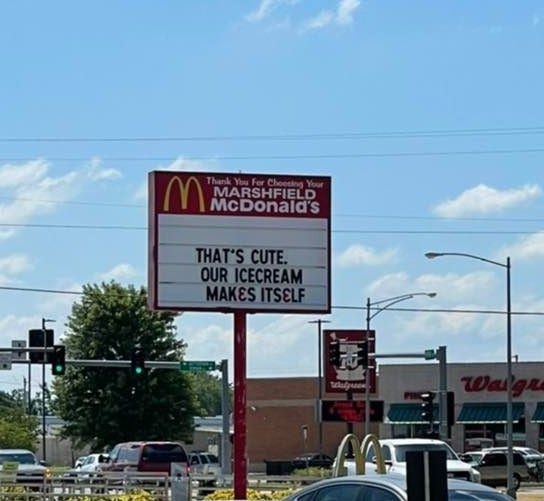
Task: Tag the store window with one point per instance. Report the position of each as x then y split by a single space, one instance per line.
496 432
415 430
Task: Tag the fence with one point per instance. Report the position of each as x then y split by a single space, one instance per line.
158 487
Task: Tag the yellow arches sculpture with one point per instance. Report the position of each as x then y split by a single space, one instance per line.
360 450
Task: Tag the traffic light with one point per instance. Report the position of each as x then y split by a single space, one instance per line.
137 362
334 353
362 354
427 407
58 360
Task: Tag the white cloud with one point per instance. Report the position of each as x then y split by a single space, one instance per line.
119 272
271 339
13 265
179 164
343 15
32 191
265 8
531 246
98 173
483 199
360 255
13 176
16 327
345 11
450 287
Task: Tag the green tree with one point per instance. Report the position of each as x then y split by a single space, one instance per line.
106 405
208 389
10 400
17 429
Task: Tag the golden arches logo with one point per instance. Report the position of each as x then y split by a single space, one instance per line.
184 188
360 450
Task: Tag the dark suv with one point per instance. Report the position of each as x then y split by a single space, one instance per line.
141 460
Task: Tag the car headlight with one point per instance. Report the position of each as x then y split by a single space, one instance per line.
477 477
47 473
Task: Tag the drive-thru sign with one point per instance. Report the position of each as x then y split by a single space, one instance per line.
251 242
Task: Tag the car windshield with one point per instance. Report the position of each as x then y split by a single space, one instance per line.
401 450
21 458
212 458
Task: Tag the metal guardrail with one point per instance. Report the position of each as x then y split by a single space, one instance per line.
159 486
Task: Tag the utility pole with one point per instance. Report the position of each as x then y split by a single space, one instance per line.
44 362
319 323
443 392
225 409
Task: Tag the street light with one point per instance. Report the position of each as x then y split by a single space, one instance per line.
509 432
387 303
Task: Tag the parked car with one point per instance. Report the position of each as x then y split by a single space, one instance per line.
140 462
312 459
203 463
93 464
492 468
533 458
28 468
388 487
394 454
472 457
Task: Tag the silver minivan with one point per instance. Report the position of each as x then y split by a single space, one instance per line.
492 468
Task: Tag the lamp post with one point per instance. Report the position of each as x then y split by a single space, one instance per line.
319 323
509 432
386 303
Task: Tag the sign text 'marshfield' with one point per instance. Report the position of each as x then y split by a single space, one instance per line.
251 242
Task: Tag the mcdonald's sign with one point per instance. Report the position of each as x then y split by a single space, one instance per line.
183 192
237 241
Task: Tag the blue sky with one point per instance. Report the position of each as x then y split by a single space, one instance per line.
427 115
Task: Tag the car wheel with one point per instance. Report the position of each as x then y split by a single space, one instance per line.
516 482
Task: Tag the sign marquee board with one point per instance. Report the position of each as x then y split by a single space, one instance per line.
350 375
256 243
351 411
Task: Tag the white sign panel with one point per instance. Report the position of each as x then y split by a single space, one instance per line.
251 242
18 355
5 361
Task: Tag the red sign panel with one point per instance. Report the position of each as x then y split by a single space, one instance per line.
350 411
222 194
349 375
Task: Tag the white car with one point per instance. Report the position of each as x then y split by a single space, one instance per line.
394 455
92 464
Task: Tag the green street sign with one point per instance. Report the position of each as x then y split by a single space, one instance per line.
430 354
196 366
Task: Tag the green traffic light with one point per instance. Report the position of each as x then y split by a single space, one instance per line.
138 370
58 368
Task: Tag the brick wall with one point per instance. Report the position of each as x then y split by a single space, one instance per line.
277 409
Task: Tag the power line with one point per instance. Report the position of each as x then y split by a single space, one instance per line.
348 231
354 216
287 137
334 307
309 156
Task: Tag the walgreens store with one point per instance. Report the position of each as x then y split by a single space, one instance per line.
479 394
